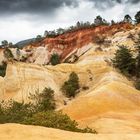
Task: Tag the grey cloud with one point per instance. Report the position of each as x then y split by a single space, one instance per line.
33 6
133 1
104 4
48 7
117 1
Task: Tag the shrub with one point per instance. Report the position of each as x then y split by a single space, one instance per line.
44 101
38 38
137 84
52 119
29 114
56 120
124 61
99 39
71 86
8 54
4 43
15 112
55 59
3 69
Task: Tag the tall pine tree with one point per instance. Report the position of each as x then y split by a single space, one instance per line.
124 61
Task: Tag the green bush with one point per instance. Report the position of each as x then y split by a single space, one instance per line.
127 64
71 86
41 113
55 59
3 69
56 120
52 119
44 101
137 84
8 54
15 112
124 61
100 40
38 38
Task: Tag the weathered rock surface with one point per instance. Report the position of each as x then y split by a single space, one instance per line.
24 132
110 105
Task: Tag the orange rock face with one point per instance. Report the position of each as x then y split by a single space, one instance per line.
76 39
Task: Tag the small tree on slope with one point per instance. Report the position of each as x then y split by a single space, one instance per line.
71 86
124 61
55 59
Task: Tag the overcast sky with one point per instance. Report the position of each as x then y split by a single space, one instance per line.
23 19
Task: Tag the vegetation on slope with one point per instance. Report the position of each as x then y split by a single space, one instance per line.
8 54
3 69
124 61
71 86
98 21
129 63
55 59
41 112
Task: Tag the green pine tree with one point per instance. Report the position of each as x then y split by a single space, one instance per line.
71 86
124 61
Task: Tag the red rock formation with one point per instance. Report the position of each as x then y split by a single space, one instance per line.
76 39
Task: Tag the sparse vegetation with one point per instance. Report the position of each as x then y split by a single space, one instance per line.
71 86
4 43
3 69
41 112
79 26
45 100
124 61
99 39
100 21
55 59
8 54
137 84
137 17
127 19
14 112
56 120
38 38
127 63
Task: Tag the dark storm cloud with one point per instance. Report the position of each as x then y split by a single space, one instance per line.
49 6
128 1
117 1
134 1
103 4
33 6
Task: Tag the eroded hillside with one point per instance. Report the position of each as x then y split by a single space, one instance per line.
111 104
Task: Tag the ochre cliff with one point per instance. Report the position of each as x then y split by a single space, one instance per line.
111 98
110 105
